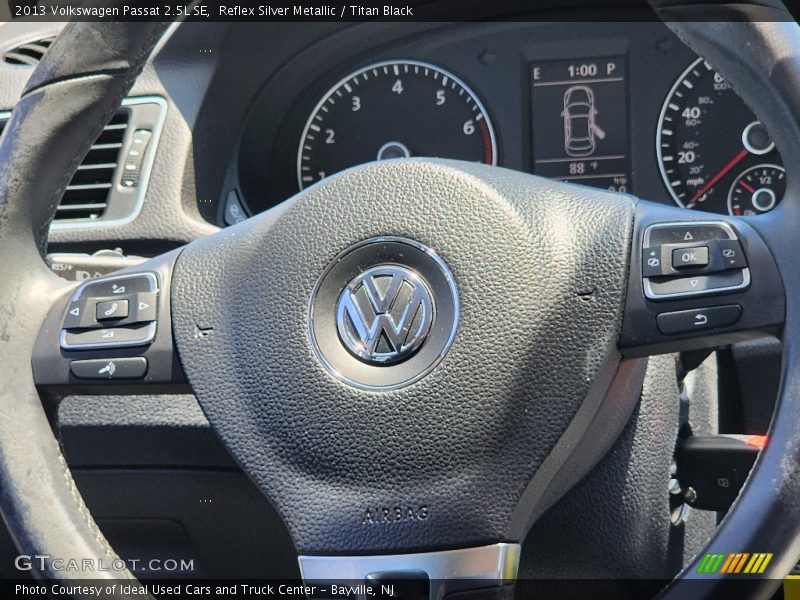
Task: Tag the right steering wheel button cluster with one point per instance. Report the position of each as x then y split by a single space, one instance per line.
697 284
683 259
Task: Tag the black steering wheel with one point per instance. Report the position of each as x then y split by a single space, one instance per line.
412 359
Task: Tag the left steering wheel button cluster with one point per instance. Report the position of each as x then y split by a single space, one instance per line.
114 312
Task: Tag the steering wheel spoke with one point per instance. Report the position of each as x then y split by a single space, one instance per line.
697 281
437 573
112 335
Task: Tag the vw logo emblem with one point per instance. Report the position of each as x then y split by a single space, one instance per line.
384 315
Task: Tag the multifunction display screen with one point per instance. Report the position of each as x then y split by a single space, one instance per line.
580 122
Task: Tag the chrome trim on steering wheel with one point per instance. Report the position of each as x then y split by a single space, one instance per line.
447 570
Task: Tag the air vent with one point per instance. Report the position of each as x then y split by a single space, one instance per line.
27 55
110 184
86 196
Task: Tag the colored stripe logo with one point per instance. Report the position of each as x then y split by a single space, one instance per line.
735 563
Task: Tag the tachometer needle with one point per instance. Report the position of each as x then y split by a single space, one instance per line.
713 181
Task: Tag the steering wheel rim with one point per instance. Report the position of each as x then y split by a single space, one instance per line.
766 79
42 507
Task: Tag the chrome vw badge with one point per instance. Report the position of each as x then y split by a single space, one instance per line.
384 314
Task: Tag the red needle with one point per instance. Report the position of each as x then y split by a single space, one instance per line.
747 187
712 182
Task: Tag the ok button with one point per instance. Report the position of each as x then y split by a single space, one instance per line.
690 257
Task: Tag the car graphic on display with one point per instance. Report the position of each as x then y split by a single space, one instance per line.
580 129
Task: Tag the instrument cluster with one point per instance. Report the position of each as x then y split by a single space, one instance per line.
638 114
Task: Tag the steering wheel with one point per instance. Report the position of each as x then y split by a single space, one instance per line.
412 359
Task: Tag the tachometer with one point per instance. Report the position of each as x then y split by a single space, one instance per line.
394 109
708 140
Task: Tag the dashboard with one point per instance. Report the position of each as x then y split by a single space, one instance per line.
237 125
621 106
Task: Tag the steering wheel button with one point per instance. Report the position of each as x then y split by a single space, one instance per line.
118 287
112 337
690 257
666 288
732 254
74 315
144 307
111 310
699 319
652 262
111 368
684 233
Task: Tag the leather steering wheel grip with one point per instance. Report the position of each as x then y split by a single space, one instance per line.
767 76
70 97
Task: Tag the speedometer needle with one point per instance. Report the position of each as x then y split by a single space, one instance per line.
713 181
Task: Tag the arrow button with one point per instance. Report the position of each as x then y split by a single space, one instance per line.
73 319
145 304
663 287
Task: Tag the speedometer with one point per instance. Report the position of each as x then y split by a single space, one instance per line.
394 109
708 140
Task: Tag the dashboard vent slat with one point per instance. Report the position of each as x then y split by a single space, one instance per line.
88 186
98 166
27 55
86 196
99 206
